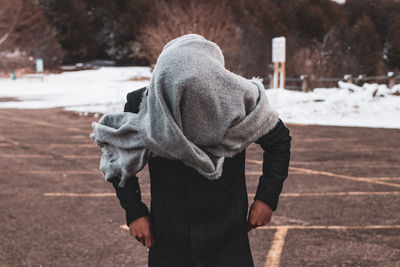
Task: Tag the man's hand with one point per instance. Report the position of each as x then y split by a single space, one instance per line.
141 230
260 214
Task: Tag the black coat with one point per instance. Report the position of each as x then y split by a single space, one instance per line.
201 222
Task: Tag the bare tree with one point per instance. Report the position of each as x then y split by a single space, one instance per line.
172 19
16 17
24 28
8 19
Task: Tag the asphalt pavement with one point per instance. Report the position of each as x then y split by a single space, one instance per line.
339 206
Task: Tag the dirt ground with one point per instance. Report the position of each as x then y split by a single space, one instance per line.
339 207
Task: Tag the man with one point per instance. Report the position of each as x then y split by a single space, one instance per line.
199 203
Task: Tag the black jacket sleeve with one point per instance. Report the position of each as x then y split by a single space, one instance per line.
130 195
130 199
276 156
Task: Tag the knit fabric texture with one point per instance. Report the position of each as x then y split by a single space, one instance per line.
194 110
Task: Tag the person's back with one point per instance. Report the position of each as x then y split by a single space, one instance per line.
193 133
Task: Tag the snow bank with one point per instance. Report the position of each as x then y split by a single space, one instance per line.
104 91
371 105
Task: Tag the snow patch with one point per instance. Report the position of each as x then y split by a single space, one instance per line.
104 91
370 105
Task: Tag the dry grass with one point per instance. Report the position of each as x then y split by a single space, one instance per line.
171 20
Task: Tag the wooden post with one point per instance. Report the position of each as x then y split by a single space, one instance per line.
276 70
305 83
359 80
282 83
279 58
391 79
348 78
271 81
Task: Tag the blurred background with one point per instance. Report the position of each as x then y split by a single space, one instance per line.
324 38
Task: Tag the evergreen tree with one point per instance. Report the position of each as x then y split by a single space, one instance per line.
73 23
393 43
366 47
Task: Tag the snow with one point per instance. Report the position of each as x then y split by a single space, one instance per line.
104 91
339 1
348 105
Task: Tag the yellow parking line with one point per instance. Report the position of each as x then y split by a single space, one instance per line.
347 164
82 156
59 172
329 227
320 227
348 177
8 141
254 173
254 161
333 163
260 173
351 193
72 145
274 253
41 123
79 194
363 149
385 178
66 194
9 144
33 156
8 156
48 145
327 139
66 172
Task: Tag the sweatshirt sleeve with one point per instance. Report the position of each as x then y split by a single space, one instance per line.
130 196
276 157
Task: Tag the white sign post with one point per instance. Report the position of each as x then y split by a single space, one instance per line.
39 65
279 58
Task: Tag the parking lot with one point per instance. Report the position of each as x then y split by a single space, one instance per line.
339 206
